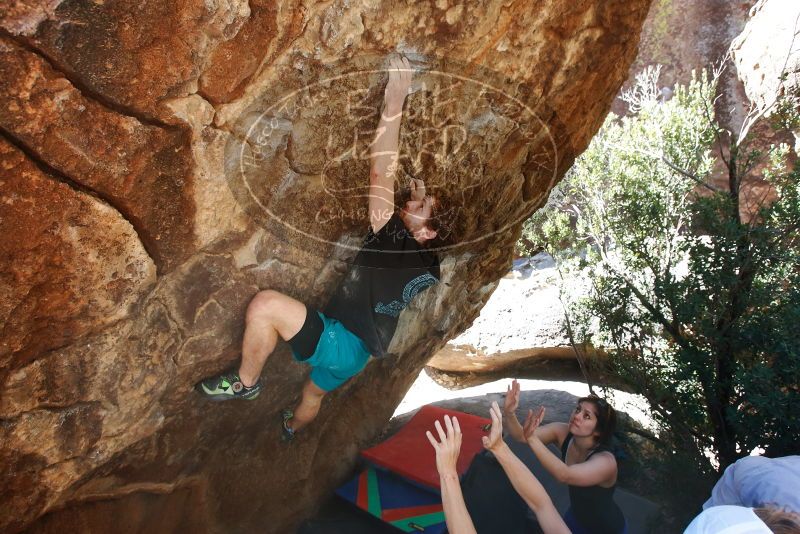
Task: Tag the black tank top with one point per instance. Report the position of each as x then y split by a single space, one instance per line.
594 506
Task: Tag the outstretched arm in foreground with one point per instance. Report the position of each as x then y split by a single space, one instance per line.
526 484
447 449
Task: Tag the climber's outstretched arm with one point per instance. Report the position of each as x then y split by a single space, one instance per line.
384 153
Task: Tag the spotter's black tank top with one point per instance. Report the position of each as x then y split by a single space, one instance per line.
594 506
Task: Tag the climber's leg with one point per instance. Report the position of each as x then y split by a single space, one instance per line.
308 408
305 412
270 314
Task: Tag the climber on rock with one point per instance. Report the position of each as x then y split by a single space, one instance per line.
393 265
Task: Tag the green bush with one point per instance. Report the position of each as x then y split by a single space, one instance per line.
697 303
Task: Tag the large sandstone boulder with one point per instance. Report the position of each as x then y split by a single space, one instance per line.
160 162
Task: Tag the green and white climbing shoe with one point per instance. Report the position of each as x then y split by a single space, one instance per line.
228 386
287 434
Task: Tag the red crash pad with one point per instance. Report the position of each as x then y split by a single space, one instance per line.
409 453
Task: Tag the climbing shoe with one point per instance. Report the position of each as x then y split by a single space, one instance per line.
287 434
227 386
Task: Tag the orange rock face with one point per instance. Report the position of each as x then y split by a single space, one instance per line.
143 171
62 278
690 35
160 162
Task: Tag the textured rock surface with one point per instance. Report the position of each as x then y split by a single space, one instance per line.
142 170
523 312
458 366
175 173
72 264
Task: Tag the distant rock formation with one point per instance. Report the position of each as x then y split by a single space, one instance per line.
767 55
160 162
687 35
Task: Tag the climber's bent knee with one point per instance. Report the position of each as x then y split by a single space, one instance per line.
282 312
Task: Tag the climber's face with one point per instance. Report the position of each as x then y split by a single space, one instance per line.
416 215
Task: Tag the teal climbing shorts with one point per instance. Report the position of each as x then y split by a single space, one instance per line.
340 355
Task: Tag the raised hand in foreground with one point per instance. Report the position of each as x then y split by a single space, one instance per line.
448 446
524 482
495 437
447 449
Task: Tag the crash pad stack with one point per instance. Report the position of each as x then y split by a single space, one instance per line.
400 484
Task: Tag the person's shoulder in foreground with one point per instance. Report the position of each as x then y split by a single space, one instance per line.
756 481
